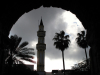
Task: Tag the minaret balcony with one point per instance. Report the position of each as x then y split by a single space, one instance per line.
41 46
41 33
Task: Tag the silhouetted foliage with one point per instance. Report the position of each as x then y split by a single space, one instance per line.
61 43
18 52
81 68
81 41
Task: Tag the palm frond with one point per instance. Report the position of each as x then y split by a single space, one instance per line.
66 37
81 40
27 49
55 39
23 44
17 42
7 59
14 42
24 55
57 44
62 33
78 39
14 38
20 61
83 33
27 52
61 40
19 52
57 35
79 35
28 60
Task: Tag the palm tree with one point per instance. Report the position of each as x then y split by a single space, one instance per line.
81 41
17 53
61 43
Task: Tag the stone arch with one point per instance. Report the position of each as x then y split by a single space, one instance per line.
13 11
84 11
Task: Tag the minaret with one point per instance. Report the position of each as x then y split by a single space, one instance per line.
41 46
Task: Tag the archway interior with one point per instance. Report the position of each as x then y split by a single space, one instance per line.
54 20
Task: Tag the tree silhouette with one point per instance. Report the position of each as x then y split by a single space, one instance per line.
81 68
61 43
81 41
18 52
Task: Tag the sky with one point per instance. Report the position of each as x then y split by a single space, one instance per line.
54 20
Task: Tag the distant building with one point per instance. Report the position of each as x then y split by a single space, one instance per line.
30 67
60 72
49 73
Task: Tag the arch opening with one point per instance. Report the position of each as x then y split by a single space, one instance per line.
27 25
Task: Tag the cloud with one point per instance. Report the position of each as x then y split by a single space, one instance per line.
54 20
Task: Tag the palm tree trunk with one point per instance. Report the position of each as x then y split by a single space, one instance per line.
86 56
63 61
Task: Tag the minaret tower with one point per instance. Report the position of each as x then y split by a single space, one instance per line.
41 46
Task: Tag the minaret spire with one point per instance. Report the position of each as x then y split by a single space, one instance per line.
41 47
41 23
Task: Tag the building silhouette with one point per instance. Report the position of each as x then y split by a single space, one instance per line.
41 46
31 67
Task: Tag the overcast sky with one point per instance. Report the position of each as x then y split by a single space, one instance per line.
54 20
